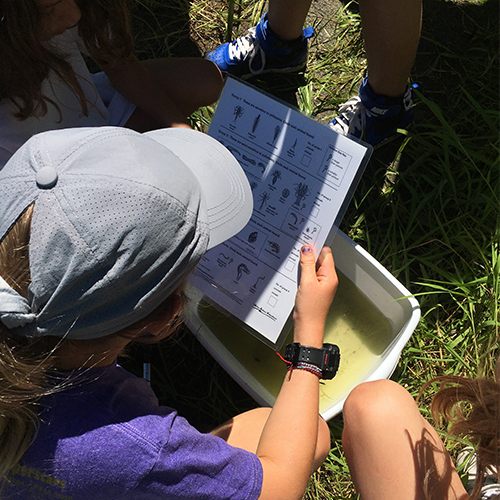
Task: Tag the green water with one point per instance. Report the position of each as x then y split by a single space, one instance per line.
360 330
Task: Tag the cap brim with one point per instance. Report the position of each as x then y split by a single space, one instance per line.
223 182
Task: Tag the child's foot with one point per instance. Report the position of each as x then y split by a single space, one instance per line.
373 118
261 51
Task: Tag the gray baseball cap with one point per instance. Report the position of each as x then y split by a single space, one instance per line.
120 220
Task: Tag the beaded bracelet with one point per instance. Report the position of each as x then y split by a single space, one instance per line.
309 368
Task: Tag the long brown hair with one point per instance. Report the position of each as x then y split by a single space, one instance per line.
472 407
26 61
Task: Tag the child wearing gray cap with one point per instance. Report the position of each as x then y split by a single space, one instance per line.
99 230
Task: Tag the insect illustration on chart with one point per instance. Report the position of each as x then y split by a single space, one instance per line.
277 131
238 112
252 237
242 268
274 247
261 166
291 151
285 193
255 124
296 221
275 175
249 160
221 255
223 260
301 191
253 185
257 282
327 163
263 199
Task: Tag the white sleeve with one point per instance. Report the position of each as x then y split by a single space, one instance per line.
78 40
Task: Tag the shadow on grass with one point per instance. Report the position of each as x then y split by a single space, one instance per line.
457 55
162 29
459 50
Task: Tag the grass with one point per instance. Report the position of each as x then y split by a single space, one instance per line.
427 207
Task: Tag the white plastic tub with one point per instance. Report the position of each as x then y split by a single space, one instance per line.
371 319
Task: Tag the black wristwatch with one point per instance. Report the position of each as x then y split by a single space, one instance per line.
327 359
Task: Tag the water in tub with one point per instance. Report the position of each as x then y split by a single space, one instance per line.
360 330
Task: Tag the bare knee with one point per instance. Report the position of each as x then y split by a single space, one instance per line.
206 86
191 82
370 408
373 403
213 79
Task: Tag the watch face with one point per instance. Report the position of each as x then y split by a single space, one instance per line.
331 361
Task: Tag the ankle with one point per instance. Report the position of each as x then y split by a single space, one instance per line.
377 102
392 93
283 36
282 31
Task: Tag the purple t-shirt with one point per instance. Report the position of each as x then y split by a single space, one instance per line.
106 437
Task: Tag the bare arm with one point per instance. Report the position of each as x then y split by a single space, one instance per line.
288 442
139 86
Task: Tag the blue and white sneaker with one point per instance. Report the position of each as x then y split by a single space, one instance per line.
262 51
373 118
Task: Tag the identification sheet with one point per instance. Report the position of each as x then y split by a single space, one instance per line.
302 176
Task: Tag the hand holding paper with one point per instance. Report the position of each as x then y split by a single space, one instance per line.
318 284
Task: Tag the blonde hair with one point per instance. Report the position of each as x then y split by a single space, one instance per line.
25 362
472 407
26 61
22 372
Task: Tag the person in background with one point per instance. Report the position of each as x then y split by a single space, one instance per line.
391 32
45 83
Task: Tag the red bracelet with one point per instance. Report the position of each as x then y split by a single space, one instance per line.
302 366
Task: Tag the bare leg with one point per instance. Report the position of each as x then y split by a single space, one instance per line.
190 82
391 449
391 31
244 431
286 18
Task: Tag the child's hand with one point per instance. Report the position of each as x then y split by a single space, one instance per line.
318 284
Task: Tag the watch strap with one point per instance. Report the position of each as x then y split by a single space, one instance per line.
326 359
298 353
